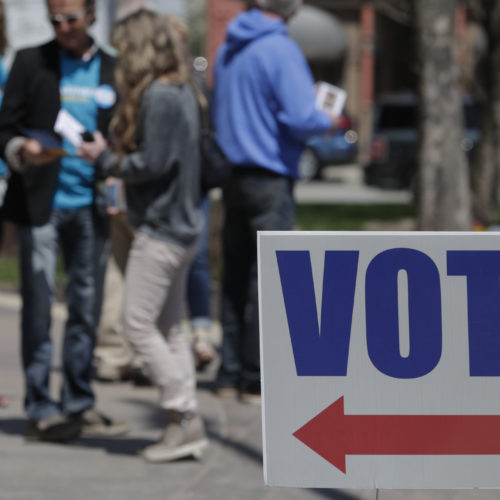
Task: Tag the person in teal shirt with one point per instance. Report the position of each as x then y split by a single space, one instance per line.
50 197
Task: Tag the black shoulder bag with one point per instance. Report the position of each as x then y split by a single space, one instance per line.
215 167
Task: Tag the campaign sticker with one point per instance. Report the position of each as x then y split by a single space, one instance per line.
105 96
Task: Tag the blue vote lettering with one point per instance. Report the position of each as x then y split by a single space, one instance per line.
482 270
382 315
319 349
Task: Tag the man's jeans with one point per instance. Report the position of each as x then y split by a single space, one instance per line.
255 200
72 232
199 278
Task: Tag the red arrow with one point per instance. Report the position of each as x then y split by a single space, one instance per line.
333 435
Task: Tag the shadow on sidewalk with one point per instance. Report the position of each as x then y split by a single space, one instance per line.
333 494
114 446
256 455
117 445
130 446
12 426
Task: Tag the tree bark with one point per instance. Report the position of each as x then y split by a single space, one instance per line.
486 166
444 201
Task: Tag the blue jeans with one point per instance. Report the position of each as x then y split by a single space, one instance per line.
254 200
199 278
102 250
71 232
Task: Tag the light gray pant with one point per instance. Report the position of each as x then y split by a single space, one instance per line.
155 291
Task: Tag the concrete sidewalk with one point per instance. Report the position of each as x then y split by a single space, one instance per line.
110 468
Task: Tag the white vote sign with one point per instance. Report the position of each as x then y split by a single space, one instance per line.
380 357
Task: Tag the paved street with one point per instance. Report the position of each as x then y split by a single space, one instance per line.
344 184
110 469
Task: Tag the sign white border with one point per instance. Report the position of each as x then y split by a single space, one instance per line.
290 401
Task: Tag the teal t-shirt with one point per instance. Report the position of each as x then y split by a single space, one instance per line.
78 85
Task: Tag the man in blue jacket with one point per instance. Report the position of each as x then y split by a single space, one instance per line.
263 112
50 197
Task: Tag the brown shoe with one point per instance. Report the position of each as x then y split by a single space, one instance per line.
251 398
96 424
250 394
110 373
184 436
227 392
56 428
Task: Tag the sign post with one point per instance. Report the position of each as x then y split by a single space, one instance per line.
380 358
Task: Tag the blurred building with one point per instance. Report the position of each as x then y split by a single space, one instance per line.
122 7
27 22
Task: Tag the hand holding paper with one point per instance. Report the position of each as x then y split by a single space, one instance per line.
41 141
90 150
69 127
330 98
33 153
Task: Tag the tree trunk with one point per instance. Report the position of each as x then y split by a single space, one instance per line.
485 171
444 201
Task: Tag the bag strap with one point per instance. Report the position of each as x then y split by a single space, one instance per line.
202 102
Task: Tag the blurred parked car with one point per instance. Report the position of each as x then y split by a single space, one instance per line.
338 148
394 148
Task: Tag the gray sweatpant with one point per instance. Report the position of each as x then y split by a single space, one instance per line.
155 291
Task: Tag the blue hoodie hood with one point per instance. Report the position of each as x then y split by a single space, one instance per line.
263 104
249 26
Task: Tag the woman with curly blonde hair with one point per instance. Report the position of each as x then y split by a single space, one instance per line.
156 129
148 50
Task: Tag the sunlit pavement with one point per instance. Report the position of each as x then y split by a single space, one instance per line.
344 184
341 184
111 469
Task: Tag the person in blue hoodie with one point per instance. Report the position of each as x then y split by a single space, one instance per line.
263 112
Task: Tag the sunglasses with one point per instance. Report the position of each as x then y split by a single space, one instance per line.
57 19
